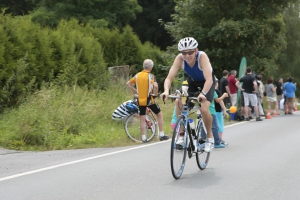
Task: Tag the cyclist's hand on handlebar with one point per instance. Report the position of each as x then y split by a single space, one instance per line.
201 98
164 96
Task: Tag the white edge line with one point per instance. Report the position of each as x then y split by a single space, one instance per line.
90 158
76 161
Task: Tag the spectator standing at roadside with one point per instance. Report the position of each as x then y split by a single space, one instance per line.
260 94
284 96
271 96
279 90
243 108
225 88
290 89
215 128
249 91
146 86
220 112
232 87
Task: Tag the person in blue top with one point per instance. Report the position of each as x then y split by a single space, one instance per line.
215 128
197 66
289 88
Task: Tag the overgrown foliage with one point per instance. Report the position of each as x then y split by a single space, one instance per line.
102 13
17 7
71 54
229 30
31 55
67 118
289 60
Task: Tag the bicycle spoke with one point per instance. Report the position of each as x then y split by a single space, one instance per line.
178 152
202 157
133 131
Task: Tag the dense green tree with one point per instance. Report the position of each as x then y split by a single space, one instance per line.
289 60
147 26
98 13
17 7
229 30
102 13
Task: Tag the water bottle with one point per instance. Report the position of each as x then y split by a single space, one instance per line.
192 126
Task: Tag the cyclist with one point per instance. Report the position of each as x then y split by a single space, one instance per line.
146 87
200 78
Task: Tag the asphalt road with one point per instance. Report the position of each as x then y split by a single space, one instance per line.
262 161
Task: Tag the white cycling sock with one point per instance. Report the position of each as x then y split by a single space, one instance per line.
210 140
144 137
161 134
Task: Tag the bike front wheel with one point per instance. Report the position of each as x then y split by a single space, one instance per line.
133 131
202 157
178 152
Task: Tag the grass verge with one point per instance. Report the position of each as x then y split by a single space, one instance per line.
70 118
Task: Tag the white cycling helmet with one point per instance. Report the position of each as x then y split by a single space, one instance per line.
187 44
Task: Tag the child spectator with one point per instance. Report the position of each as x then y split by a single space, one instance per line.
220 112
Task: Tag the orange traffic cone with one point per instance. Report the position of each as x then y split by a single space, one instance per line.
268 116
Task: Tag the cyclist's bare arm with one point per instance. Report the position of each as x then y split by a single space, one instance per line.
172 73
207 70
155 88
131 87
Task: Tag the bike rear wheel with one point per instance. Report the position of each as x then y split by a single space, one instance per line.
178 152
202 157
133 131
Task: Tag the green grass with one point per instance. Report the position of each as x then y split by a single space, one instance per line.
68 118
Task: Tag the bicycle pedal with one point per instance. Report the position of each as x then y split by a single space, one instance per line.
201 147
179 147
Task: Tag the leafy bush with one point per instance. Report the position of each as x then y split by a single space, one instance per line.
31 55
71 54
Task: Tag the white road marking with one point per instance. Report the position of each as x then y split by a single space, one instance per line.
90 158
76 161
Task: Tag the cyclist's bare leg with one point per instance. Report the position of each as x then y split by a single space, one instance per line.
143 124
179 107
207 118
160 121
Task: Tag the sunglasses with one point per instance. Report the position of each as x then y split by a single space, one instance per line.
189 52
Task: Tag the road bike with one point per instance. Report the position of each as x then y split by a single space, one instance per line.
132 123
193 143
